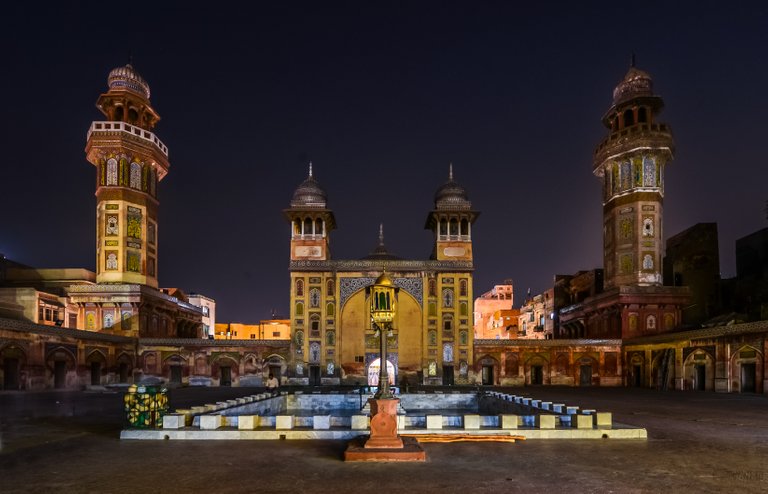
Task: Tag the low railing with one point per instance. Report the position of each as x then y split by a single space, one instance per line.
125 127
459 238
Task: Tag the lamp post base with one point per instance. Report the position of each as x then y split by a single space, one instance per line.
384 444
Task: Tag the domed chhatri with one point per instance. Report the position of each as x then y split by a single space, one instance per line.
384 279
636 83
309 194
127 78
451 195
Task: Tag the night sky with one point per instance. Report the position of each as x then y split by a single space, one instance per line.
381 97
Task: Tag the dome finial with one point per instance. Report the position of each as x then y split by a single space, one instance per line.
310 168
450 171
381 234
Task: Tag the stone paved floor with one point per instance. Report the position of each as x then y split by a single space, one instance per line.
698 442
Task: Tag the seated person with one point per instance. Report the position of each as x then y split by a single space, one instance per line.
272 383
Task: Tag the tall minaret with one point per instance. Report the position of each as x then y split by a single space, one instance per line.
451 221
130 160
630 163
311 221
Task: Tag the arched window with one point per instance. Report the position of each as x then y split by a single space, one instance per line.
464 227
330 310
432 338
647 262
314 297
319 226
443 227
447 352
297 227
463 310
463 288
299 288
135 176
463 338
629 117
299 338
329 288
119 113
299 309
642 115
447 297
330 338
454 226
432 309
650 322
432 283
112 171
307 226
109 319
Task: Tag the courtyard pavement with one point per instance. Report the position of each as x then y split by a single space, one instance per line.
67 442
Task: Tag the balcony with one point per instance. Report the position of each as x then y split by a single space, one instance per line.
130 130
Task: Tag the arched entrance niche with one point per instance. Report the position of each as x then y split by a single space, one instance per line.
537 370
373 372
12 360
225 369
96 362
747 370
699 371
489 370
173 367
124 368
586 370
277 366
636 370
61 368
354 327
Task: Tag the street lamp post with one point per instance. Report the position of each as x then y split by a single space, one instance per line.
384 443
383 307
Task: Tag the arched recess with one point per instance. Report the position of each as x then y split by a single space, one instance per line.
124 367
488 368
61 367
537 370
251 365
747 371
96 362
699 371
226 369
13 361
277 366
175 367
351 333
636 371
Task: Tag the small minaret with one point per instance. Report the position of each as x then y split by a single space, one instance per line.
630 164
451 221
311 221
130 161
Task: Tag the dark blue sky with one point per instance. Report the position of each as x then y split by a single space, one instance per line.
381 96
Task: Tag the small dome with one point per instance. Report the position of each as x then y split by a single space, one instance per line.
451 195
127 78
636 83
309 194
384 279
